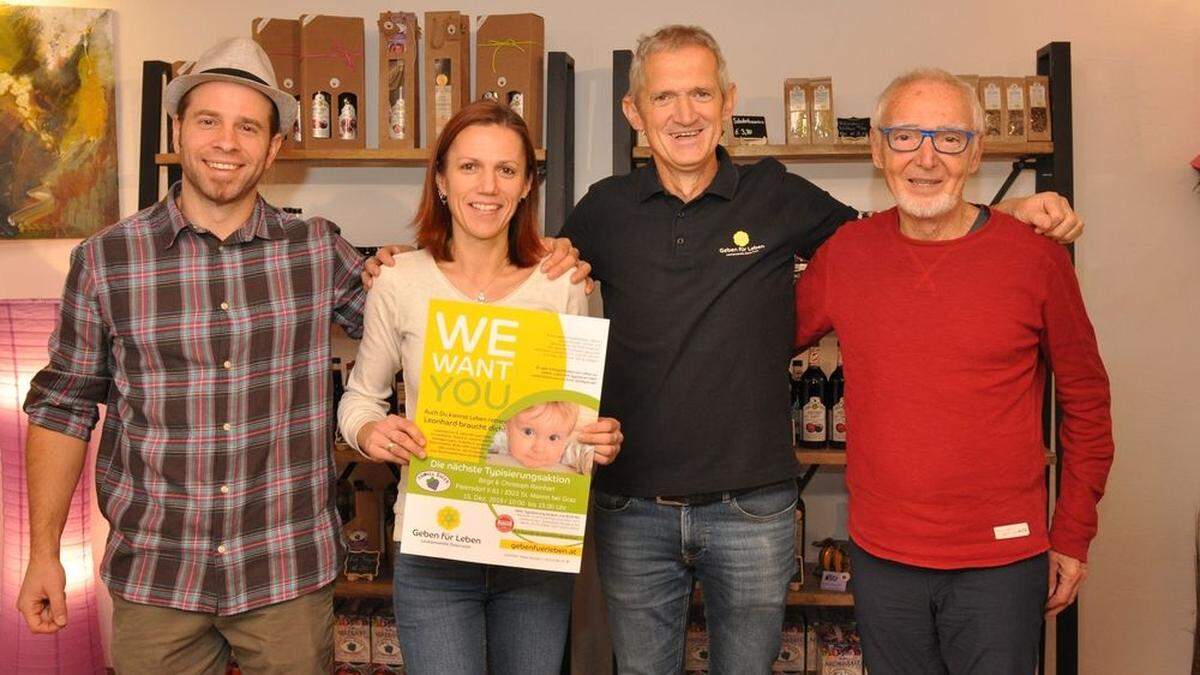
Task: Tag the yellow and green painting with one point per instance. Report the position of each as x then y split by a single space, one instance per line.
58 132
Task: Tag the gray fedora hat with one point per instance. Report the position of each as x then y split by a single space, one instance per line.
240 60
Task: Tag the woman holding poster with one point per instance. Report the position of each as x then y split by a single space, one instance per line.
478 234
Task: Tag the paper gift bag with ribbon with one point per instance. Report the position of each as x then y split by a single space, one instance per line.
447 68
331 70
509 62
280 39
399 80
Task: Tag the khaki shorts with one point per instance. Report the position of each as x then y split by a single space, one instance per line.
289 637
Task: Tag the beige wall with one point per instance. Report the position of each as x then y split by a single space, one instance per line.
1137 125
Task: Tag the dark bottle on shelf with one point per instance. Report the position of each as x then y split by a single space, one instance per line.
339 388
796 372
837 407
814 395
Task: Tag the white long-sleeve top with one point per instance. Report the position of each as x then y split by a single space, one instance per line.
394 324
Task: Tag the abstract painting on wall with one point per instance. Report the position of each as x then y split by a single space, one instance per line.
58 129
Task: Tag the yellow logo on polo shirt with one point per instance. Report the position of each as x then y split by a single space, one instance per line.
741 246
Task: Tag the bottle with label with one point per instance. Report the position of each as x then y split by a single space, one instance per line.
335 373
814 393
796 371
320 115
348 119
837 408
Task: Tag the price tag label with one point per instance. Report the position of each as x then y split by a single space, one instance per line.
834 581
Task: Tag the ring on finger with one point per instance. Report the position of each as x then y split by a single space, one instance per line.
391 445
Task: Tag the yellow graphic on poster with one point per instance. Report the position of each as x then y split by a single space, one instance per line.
504 394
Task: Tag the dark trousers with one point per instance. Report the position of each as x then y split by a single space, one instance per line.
920 621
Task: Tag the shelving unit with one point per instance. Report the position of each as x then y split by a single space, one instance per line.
556 162
1052 163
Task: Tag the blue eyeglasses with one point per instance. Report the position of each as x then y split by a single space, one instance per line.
945 141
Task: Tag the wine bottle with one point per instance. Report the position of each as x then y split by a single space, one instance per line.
814 395
837 409
796 370
335 373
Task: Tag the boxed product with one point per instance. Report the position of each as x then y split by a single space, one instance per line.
351 637
364 535
331 72
1015 110
839 651
399 80
796 112
1039 108
385 647
510 64
791 646
991 95
447 68
695 655
280 39
820 95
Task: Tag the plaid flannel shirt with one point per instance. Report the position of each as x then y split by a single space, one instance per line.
215 467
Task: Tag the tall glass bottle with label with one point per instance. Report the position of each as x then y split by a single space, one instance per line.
814 387
837 407
796 371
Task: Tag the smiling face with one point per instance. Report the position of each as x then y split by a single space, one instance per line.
484 178
680 106
926 184
538 435
225 143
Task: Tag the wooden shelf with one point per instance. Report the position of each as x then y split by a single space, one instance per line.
413 158
849 151
380 588
829 457
810 595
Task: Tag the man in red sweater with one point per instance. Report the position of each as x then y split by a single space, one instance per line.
944 311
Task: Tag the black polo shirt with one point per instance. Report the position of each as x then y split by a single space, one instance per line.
700 297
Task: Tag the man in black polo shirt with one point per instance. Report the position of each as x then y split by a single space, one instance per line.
695 256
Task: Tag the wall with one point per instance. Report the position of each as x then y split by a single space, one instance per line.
1137 110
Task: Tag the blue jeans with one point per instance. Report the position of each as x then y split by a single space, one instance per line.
455 618
742 549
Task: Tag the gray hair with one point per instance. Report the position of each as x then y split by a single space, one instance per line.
931 75
670 38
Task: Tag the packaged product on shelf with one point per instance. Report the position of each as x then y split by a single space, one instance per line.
991 95
363 539
839 649
810 642
796 116
447 68
1015 110
385 646
334 88
399 80
1039 108
510 64
351 637
280 39
800 534
820 95
791 644
748 130
695 655
854 130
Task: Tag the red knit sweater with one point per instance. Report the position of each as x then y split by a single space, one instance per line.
941 344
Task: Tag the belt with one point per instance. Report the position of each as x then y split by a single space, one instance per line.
701 498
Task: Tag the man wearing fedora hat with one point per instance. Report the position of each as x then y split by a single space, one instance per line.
203 324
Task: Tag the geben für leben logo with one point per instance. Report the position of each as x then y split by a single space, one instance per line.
449 518
741 246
